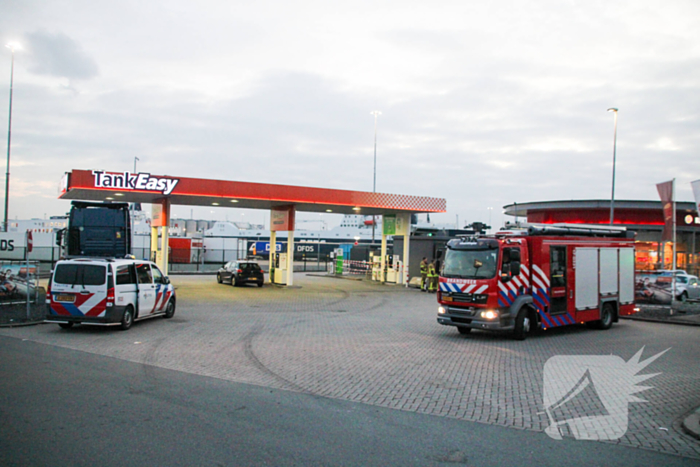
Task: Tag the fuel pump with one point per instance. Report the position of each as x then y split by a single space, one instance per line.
376 268
393 267
280 269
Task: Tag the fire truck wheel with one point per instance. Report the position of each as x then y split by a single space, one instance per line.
65 325
170 309
523 324
464 331
606 317
127 319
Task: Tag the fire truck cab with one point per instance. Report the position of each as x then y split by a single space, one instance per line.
541 276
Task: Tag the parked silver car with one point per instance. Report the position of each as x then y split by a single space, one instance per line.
687 288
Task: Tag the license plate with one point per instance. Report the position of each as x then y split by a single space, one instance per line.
65 298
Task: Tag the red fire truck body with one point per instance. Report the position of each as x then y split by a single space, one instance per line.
543 277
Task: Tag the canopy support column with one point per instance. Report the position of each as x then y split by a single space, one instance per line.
160 217
382 274
154 244
405 229
290 257
273 251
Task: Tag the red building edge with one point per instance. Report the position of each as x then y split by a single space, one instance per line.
645 218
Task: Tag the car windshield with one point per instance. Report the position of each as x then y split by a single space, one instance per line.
470 264
249 267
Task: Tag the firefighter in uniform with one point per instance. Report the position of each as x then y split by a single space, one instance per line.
423 274
432 278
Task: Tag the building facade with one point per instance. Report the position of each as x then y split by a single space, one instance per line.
643 217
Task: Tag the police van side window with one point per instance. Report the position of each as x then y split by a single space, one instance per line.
157 275
125 275
143 271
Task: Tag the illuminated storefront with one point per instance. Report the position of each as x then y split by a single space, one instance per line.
643 217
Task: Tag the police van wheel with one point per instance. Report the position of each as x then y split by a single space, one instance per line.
218 278
65 325
606 317
463 331
170 309
523 323
127 319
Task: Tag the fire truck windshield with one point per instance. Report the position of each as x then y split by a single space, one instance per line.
470 264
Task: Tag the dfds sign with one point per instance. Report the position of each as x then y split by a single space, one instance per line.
259 248
12 245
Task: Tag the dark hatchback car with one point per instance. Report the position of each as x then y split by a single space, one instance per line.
241 272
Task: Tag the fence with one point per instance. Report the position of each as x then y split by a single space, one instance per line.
357 268
18 283
308 256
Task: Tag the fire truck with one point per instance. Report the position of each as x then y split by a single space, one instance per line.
537 277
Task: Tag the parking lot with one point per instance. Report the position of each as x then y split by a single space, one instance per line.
381 345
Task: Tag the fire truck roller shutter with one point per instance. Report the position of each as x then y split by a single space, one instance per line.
626 275
586 278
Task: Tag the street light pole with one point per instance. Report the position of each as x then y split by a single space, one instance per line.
12 46
376 113
612 196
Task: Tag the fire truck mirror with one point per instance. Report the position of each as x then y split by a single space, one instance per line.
477 264
515 256
515 266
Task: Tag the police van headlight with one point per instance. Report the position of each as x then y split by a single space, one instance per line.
489 314
442 310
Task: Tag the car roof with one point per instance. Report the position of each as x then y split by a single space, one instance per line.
116 261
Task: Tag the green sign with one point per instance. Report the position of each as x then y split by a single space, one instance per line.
389 224
339 266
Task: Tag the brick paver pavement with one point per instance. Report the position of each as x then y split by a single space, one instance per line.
381 345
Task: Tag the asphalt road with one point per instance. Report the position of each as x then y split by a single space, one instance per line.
67 407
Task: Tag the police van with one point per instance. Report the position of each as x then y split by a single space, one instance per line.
107 292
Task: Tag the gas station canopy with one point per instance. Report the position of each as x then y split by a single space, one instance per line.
98 185
164 191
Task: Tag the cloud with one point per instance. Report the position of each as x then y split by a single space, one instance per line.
56 54
480 104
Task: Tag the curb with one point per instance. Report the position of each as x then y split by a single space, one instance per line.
18 325
333 276
691 424
652 320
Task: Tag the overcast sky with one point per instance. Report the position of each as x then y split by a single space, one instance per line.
483 103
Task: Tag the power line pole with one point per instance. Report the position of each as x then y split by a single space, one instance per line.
376 113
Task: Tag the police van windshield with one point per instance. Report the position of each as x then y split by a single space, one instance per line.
470 264
80 274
